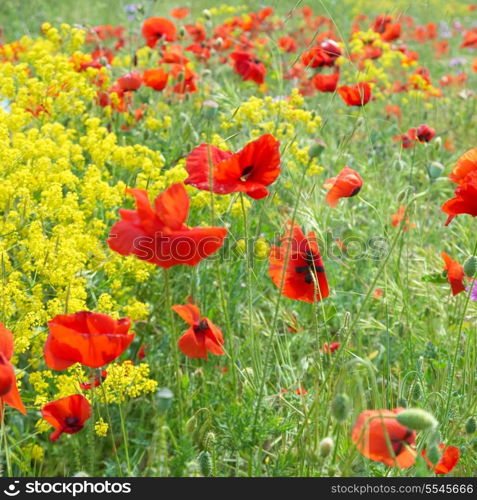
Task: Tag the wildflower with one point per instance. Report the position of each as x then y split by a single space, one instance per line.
250 170
101 428
202 336
348 183
455 274
424 133
303 268
355 95
465 165
326 83
158 234
156 78
180 12
449 459
9 393
288 44
91 339
397 218
380 437
330 347
157 29
130 81
67 415
248 66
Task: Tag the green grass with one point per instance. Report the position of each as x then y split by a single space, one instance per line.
415 346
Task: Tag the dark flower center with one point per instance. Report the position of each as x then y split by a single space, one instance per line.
356 191
246 172
201 327
310 267
398 444
72 422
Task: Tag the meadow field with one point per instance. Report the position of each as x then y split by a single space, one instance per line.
238 239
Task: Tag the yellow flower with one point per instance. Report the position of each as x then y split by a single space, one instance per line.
101 428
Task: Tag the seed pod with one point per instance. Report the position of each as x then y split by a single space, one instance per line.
435 169
417 419
164 399
471 425
340 407
206 13
433 454
316 149
326 446
205 463
470 266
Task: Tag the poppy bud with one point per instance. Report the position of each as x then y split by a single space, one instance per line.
206 13
417 419
470 426
219 41
435 170
210 109
164 399
191 425
433 454
205 463
181 32
470 266
326 446
435 437
340 407
316 148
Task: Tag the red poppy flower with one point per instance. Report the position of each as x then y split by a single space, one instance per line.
424 133
455 274
288 44
466 164
92 339
465 200
355 95
250 170
180 12
67 415
470 40
348 183
303 268
141 354
326 83
330 347
86 386
380 437
397 218
9 393
202 336
130 82
321 55
449 459
155 78
158 28
159 235
248 66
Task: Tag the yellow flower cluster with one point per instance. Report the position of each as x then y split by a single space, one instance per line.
62 172
126 381
101 428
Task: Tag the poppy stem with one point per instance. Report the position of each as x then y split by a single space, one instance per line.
457 343
5 441
125 438
168 296
248 275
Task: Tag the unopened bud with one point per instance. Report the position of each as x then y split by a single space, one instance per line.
471 425
417 419
206 13
470 266
340 407
326 446
433 454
